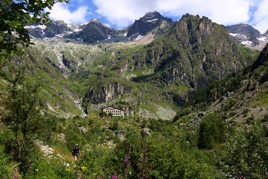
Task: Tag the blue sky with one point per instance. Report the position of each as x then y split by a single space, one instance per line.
121 13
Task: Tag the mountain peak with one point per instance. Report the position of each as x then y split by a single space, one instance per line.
147 23
152 14
244 33
188 16
96 20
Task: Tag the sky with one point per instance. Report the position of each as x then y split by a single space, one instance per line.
121 13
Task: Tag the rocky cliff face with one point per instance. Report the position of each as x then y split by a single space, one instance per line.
193 52
104 93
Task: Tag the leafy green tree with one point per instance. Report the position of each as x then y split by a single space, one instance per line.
14 16
23 114
211 131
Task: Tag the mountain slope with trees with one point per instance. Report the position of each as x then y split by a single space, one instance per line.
220 130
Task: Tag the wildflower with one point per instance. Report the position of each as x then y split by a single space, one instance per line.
68 169
114 177
36 170
30 167
126 160
84 168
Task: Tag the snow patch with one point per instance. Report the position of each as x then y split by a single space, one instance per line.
262 38
77 30
240 36
247 43
234 35
139 37
152 20
60 35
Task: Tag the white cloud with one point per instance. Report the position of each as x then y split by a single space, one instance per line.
61 12
123 12
261 16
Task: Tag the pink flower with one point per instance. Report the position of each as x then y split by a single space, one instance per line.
114 177
126 160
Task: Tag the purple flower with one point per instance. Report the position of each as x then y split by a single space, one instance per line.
114 177
30 167
126 160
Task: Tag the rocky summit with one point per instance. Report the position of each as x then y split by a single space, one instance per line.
146 24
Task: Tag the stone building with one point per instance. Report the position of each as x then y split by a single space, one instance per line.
114 112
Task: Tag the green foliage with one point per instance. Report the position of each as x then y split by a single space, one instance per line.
247 153
157 158
229 105
5 166
211 131
23 116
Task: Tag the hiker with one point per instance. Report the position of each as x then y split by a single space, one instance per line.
76 151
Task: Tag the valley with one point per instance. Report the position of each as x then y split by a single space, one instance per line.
190 91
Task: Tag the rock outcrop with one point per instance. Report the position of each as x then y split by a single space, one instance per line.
104 93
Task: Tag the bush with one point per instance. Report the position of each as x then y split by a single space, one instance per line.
5 168
211 131
247 154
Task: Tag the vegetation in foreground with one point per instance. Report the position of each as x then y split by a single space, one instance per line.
135 148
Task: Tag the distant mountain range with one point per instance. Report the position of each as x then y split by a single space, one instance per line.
96 32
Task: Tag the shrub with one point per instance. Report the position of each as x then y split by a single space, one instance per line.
247 154
211 131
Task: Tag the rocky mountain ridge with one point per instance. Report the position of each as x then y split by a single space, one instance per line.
190 51
146 24
248 36
95 32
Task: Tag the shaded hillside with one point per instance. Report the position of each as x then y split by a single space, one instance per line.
241 99
249 79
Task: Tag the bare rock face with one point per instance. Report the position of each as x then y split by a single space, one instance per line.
105 93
